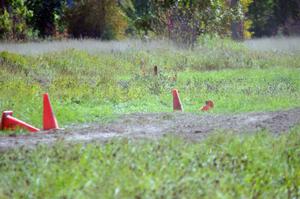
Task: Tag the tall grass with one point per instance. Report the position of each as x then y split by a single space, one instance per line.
275 44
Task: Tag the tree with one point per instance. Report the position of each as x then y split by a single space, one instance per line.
272 17
46 15
287 16
261 13
183 21
13 20
96 18
140 15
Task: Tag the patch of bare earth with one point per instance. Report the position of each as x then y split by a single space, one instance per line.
156 125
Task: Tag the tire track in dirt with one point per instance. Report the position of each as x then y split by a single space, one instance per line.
156 125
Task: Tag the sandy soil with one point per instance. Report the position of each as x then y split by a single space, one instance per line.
155 125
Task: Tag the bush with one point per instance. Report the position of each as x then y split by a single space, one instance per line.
13 23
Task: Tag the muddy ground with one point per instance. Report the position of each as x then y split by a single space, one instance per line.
155 125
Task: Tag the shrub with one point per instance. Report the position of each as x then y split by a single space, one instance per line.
13 22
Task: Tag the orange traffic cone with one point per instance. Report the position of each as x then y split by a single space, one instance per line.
177 106
49 120
208 105
8 122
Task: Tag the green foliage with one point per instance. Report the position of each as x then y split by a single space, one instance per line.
183 21
97 19
262 15
85 87
287 15
13 62
46 16
13 24
274 17
140 14
5 25
225 165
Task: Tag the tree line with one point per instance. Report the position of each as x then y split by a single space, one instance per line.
179 20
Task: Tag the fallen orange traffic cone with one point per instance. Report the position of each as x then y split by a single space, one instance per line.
177 106
49 120
8 122
208 105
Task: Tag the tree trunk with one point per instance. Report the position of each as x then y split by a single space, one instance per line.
103 18
237 29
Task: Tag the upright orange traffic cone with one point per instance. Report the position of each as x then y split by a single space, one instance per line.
177 106
49 120
8 122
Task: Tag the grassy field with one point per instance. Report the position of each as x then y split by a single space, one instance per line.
99 83
222 166
93 86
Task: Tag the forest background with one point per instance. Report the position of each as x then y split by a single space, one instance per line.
182 21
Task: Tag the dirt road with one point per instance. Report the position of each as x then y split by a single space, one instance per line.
155 125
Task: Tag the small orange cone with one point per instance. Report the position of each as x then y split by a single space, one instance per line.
177 106
49 120
8 122
208 105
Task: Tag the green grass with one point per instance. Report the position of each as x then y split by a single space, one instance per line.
225 165
87 87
